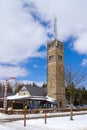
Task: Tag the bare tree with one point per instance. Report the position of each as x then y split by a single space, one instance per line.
73 79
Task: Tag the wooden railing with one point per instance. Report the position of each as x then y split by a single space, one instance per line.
35 111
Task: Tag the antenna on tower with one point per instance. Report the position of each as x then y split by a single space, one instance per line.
55 27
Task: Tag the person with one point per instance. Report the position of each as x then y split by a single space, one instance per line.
25 107
32 106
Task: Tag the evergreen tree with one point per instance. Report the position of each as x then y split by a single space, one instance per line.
34 84
44 85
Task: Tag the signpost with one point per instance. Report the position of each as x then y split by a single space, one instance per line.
5 96
24 118
45 116
5 93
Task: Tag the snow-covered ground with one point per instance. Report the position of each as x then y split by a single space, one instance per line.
57 123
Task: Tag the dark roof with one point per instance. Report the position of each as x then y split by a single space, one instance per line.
33 90
36 91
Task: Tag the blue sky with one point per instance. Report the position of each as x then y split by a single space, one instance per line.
26 26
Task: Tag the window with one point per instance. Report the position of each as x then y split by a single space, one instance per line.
61 46
49 46
51 57
58 44
59 57
24 93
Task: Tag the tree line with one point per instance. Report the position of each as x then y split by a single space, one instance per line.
75 82
79 95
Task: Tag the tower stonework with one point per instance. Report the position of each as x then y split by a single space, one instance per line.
55 71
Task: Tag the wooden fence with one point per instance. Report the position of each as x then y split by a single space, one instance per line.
35 111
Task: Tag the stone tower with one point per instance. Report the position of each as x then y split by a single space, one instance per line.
55 71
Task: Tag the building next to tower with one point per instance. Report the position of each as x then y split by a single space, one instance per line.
55 70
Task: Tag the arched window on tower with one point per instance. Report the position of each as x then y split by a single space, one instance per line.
59 58
51 57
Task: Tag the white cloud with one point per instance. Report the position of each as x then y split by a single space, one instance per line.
20 35
84 62
12 71
71 17
41 54
70 14
80 44
35 66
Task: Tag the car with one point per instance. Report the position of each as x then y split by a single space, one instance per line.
69 106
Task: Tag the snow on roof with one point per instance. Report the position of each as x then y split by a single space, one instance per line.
50 99
18 97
